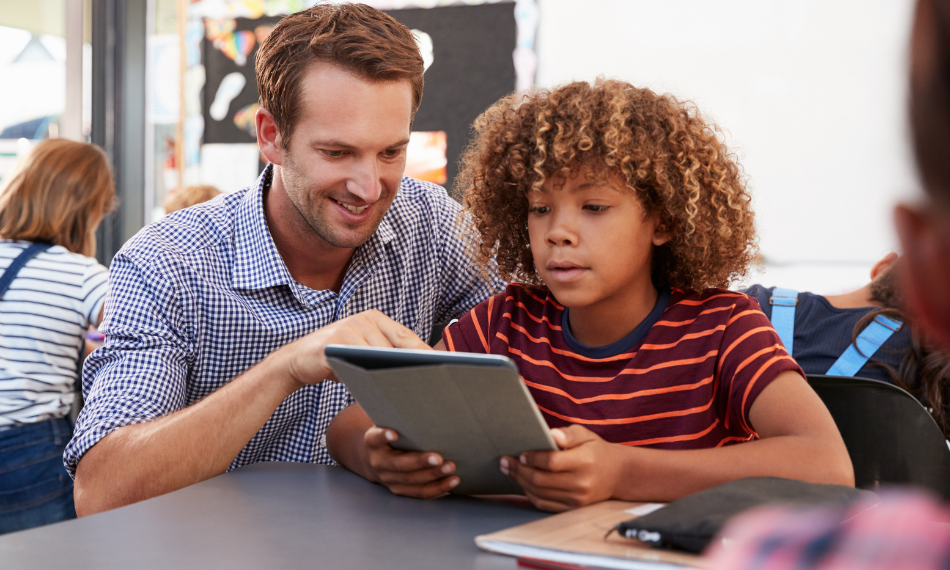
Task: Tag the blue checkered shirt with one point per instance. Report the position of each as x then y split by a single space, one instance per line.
202 295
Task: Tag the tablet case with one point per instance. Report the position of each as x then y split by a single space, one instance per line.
469 414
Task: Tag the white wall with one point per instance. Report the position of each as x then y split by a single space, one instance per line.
811 95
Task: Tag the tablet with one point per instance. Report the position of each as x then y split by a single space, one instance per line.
470 408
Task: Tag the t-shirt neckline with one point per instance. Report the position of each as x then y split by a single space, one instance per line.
622 345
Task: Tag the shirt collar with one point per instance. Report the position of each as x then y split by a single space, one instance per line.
257 263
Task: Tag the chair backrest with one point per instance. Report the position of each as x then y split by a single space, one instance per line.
891 437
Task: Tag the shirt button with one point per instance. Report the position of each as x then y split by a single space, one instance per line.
323 440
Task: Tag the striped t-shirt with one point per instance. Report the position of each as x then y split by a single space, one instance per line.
43 320
684 379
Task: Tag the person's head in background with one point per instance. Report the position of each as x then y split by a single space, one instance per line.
924 370
924 229
188 196
58 193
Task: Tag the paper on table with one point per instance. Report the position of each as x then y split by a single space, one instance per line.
581 537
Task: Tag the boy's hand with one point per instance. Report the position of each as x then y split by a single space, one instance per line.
585 471
423 475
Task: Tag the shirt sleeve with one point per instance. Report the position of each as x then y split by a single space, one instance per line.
751 357
476 329
139 373
464 283
95 285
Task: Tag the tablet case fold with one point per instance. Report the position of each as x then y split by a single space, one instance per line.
472 415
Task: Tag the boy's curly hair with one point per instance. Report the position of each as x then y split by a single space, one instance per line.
662 148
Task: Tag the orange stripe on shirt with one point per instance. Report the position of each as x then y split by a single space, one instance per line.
491 302
478 328
543 340
739 340
534 318
638 371
626 396
726 440
540 300
689 336
631 420
704 301
691 321
448 340
738 316
752 382
674 438
735 373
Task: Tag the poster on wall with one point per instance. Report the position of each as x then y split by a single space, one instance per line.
471 68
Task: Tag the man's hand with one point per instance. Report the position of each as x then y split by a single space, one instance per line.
585 471
423 475
305 358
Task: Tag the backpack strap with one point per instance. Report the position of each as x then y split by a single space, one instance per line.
783 303
868 342
17 264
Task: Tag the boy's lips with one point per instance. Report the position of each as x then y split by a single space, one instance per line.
563 271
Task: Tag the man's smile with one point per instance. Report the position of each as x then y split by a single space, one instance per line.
352 208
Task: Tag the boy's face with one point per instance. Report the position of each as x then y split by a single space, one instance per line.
592 241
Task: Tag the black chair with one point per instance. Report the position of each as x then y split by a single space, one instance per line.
891 437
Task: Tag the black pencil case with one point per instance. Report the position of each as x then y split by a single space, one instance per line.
690 523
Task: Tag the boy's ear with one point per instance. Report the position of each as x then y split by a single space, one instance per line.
268 136
660 235
925 269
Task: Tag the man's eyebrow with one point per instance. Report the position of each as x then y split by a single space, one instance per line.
346 146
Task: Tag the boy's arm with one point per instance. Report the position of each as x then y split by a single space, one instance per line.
355 443
799 440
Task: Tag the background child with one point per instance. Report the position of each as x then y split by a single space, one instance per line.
826 326
188 196
618 209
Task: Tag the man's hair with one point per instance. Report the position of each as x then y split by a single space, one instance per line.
356 37
56 194
188 196
661 148
930 94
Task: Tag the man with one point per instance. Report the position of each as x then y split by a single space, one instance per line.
207 363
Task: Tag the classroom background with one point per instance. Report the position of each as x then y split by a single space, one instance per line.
810 95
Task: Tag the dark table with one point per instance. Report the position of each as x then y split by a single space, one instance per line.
274 515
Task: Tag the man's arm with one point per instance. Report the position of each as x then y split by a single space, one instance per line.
799 440
145 460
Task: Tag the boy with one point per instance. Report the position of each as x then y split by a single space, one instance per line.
619 211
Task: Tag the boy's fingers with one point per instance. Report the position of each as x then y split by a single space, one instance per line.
413 478
572 436
379 437
427 491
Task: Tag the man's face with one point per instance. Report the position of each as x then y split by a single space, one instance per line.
347 153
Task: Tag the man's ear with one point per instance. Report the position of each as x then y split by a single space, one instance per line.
268 136
883 264
925 270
